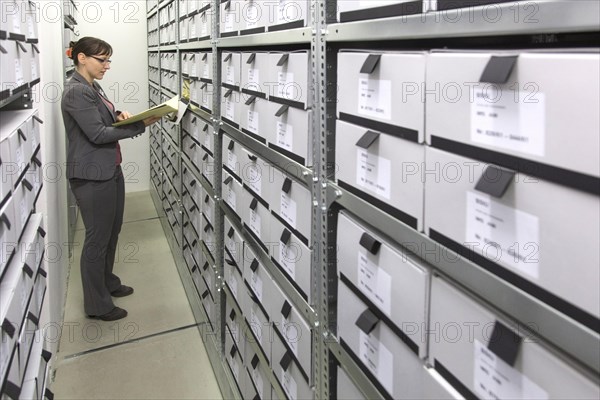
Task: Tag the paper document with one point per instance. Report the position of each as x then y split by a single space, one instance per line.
169 106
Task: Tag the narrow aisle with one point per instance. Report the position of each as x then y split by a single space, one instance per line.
156 351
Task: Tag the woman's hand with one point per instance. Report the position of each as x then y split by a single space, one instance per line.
123 116
151 120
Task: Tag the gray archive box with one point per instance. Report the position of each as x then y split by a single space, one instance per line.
256 175
383 91
233 243
292 256
200 25
233 355
260 332
387 357
257 218
288 78
234 156
254 117
231 70
346 389
258 373
255 71
231 106
292 327
292 202
288 132
512 102
232 193
288 373
206 135
257 278
383 169
397 284
488 355
230 18
500 217
352 10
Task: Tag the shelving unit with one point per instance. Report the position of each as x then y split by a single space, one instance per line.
521 25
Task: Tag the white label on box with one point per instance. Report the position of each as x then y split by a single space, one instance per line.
205 26
288 11
34 69
252 15
495 379
254 79
24 211
256 285
185 66
289 385
206 71
207 143
19 156
258 382
19 72
232 161
194 93
233 282
229 21
255 222
231 245
253 175
285 136
378 359
375 283
31 27
287 88
292 333
513 120
34 141
231 200
503 234
374 173
288 209
375 98
16 28
230 110
235 368
253 119
4 352
206 100
230 75
287 259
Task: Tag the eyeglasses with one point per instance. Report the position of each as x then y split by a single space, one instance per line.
102 60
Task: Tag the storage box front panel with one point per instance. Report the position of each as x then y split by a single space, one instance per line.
288 132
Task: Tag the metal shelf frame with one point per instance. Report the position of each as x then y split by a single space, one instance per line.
526 18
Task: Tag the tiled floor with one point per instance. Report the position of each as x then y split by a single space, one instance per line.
154 353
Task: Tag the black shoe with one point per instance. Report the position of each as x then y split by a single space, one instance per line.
113 315
122 291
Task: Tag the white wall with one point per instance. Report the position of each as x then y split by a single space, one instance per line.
123 24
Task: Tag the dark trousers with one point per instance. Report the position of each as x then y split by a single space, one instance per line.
101 204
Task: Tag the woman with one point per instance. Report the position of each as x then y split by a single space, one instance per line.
94 172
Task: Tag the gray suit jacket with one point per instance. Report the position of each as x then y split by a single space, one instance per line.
92 148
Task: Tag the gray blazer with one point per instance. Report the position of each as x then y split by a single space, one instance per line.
92 147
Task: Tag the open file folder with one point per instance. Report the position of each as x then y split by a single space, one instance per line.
174 106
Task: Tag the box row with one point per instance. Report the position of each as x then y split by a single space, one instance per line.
22 65
19 20
197 26
197 65
506 102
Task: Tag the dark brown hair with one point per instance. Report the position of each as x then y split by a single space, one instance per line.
89 46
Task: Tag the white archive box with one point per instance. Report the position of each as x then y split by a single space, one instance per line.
292 203
233 355
21 61
353 10
258 322
291 327
289 14
257 176
208 168
288 78
292 257
257 278
34 129
24 198
34 63
510 102
196 275
184 28
231 70
232 193
201 260
255 117
235 323
382 169
257 219
248 390
255 71
288 132
34 175
383 91
207 206
191 148
377 347
30 325
8 232
345 388
16 148
257 373
491 357
209 306
207 136
233 278
187 60
234 243
533 244
7 75
230 18
206 96
254 16
392 281
231 107
200 24
292 378
233 157
207 234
